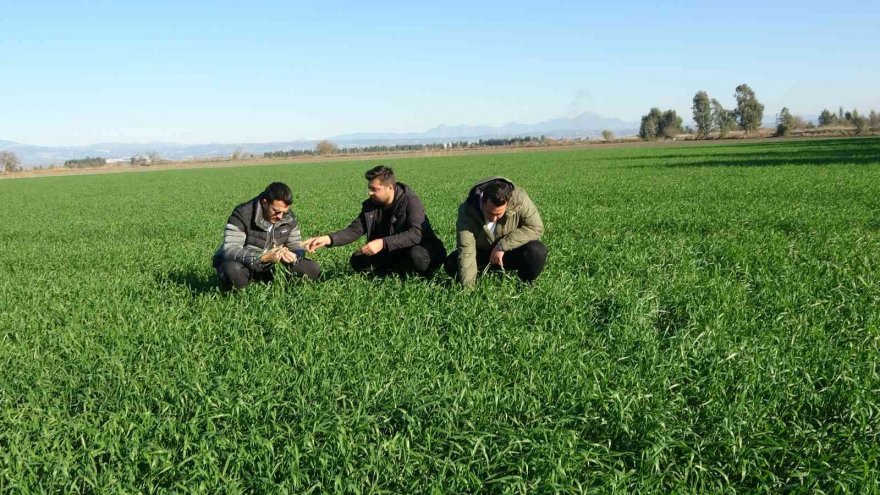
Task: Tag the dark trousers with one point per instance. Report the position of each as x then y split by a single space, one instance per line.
420 259
527 260
234 275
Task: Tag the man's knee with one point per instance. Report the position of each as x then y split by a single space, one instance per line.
233 275
306 268
311 269
534 257
419 259
535 251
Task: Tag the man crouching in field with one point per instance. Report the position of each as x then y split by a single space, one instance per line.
498 226
399 235
259 234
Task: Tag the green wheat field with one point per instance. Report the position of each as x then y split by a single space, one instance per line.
709 321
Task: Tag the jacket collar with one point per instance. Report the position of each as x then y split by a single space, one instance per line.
399 193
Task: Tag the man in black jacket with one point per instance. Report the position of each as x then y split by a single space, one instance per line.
399 235
259 234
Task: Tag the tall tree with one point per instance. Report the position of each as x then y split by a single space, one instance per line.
702 114
326 148
861 123
650 127
9 162
670 124
724 119
749 111
784 122
826 118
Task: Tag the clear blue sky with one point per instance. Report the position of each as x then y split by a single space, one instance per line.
79 72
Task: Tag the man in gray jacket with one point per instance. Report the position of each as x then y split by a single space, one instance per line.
498 226
259 234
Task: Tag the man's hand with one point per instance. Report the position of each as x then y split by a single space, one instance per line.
312 244
288 256
274 256
496 257
373 247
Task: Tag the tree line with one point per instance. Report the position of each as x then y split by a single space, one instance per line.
850 118
85 162
151 158
323 148
711 116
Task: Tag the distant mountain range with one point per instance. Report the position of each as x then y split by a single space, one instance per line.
585 125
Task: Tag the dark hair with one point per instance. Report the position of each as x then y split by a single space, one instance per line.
383 173
277 191
498 192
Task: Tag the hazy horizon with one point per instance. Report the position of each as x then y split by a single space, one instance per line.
415 134
268 71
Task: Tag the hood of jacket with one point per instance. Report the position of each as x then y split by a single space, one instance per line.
474 199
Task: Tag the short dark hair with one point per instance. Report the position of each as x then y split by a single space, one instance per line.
277 191
383 173
498 192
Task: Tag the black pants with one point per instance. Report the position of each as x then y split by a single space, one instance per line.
234 275
528 260
420 259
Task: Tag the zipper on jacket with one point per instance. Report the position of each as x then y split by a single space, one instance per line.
270 238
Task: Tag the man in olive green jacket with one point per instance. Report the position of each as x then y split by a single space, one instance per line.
498 226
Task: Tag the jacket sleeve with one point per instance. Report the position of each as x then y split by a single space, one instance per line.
530 229
234 248
294 242
415 218
350 233
467 250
